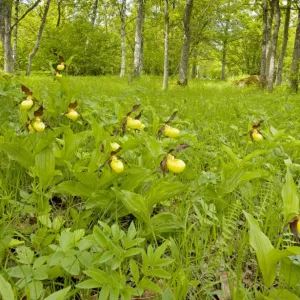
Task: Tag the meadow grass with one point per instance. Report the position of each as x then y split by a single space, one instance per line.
214 118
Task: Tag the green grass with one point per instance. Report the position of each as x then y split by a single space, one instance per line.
198 213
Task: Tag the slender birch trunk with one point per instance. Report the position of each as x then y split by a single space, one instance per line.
166 54
94 13
294 76
224 54
224 50
123 35
271 72
263 63
15 45
5 35
138 49
38 39
185 50
269 37
284 43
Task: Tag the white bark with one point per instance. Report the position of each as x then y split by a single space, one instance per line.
5 35
166 54
271 72
94 13
263 63
224 50
15 46
269 38
294 77
138 50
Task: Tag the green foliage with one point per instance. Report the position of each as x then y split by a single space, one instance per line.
72 30
290 198
6 290
267 255
70 225
268 258
59 295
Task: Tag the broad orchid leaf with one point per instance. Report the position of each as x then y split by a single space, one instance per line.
290 198
266 254
5 289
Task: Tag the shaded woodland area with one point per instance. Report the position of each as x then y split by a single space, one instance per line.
204 39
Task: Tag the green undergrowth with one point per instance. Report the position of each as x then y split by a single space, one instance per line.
71 228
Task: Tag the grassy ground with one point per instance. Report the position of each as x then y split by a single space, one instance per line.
72 223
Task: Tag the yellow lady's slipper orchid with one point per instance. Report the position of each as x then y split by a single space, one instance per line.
134 124
114 146
26 104
60 67
298 225
116 165
255 133
72 114
175 165
257 136
171 132
38 125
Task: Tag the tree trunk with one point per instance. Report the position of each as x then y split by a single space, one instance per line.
224 52
138 49
123 35
5 35
166 54
263 63
38 39
284 43
273 49
93 21
185 50
194 54
269 37
58 13
34 5
15 46
294 77
194 70
94 13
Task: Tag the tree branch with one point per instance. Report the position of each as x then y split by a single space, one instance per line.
25 14
59 12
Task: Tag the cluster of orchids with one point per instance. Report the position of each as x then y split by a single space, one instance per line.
38 123
169 163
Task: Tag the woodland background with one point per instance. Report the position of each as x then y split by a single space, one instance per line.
207 39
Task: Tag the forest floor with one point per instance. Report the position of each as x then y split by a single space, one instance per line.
71 225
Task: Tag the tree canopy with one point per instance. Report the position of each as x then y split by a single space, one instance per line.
226 37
